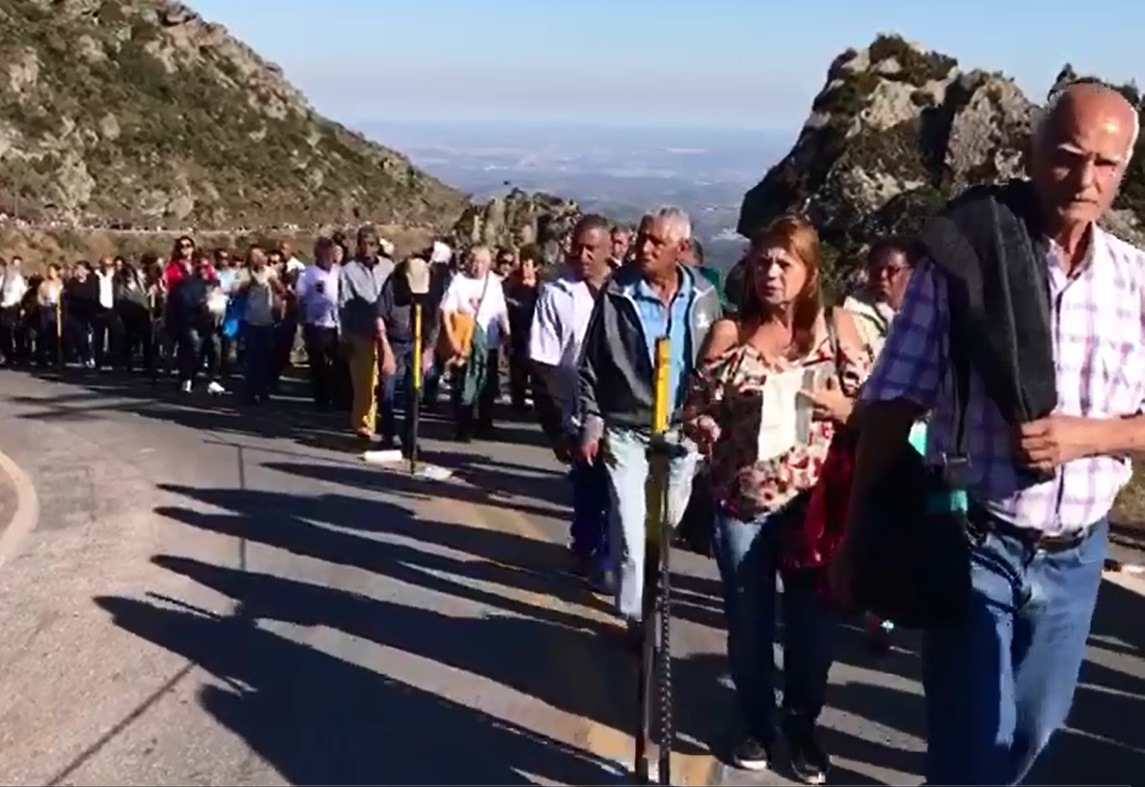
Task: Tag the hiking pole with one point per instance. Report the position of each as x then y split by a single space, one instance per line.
417 276
153 324
415 400
656 656
60 328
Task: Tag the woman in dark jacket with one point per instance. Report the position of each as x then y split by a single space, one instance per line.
521 297
133 308
81 308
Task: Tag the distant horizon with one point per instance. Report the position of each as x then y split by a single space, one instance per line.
551 123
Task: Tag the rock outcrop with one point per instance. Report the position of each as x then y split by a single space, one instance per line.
518 219
895 132
141 112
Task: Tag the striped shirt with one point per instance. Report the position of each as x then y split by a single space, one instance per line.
1098 331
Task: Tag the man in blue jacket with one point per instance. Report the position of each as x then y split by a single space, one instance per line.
655 296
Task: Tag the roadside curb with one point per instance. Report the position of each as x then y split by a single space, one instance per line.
15 530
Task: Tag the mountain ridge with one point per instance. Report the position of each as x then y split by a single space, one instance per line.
897 130
142 111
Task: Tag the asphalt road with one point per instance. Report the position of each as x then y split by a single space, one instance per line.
218 596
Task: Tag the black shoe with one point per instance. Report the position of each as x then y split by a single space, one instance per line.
752 754
808 759
580 565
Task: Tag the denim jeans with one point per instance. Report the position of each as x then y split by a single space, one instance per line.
748 555
400 380
589 530
626 458
999 684
259 358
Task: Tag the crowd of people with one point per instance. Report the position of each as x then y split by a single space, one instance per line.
943 449
973 351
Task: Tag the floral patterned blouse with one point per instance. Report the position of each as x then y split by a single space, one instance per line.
724 399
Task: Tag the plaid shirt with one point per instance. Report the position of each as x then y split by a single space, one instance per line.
1098 326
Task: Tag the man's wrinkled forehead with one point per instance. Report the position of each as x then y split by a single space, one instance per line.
1087 122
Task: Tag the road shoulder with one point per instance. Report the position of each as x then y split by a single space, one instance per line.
19 507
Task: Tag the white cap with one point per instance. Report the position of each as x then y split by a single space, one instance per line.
441 252
417 274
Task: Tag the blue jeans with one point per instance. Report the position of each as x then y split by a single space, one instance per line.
998 685
748 557
589 530
258 341
626 458
401 379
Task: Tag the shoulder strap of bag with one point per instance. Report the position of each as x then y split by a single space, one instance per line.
833 340
956 462
481 299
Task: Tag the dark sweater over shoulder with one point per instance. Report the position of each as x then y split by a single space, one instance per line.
187 304
989 245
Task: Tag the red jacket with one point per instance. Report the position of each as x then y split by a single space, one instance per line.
173 273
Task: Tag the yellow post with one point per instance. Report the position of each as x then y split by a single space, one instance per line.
658 465
60 326
661 406
417 348
654 692
413 407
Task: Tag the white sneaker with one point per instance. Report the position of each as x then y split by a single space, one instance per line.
215 389
186 387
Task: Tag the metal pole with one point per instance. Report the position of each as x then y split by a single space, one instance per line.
414 404
60 327
656 656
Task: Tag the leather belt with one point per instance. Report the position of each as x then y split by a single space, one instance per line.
984 523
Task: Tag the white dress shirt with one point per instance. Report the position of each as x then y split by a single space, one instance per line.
318 308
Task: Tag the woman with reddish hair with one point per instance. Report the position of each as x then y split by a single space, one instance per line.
776 382
179 266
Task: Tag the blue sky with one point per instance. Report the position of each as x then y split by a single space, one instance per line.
713 63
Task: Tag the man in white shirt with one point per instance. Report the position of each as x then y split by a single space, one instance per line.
103 329
563 309
292 263
475 298
317 291
13 287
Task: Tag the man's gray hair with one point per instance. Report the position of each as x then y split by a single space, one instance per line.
676 218
1041 127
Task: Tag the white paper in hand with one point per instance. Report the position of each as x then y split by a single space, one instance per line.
779 414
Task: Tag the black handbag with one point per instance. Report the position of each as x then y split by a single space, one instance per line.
912 548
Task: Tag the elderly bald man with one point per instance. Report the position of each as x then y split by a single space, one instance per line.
1052 411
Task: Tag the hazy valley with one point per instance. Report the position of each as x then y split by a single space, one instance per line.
620 172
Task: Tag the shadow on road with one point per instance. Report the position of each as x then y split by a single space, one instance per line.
1105 739
320 720
289 414
516 644
494 483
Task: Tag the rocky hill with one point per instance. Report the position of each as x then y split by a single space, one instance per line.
141 112
517 219
895 131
